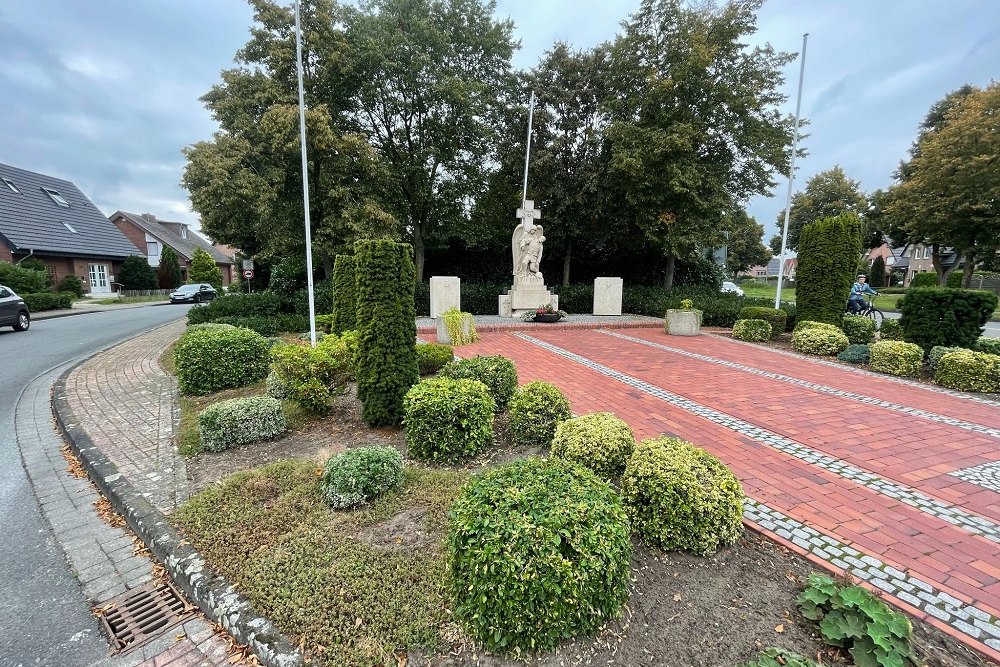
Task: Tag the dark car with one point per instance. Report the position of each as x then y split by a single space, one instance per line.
193 293
13 311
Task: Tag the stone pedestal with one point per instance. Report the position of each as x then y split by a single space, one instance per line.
503 306
445 294
608 296
528 294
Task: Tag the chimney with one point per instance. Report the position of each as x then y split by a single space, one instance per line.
149 217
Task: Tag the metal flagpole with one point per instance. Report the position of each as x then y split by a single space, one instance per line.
305 179
527 149
791 176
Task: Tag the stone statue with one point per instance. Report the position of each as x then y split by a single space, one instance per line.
526 246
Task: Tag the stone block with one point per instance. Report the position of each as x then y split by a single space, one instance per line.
608 296
445 294
503 306
522 298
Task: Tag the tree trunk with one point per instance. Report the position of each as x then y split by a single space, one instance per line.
668 274
939 269
970 266
566 262
418 251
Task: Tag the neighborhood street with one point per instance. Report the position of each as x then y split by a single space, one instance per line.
45 618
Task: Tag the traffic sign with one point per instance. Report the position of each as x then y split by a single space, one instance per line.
248 274
247 264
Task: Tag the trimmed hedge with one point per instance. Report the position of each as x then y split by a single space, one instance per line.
387 361
755 331
938 351
23 280
447 420
360 475
776 317
217 358
496 372
536 409
896 358
47 300
950 317
969 371
240 421
988 345
312 376
860 330
236 305
890 330
538 552
827 260
432 356
924 279
268 325
681 498
818 338
345 308
856 354
599 441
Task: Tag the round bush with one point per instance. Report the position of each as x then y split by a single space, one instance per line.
432 356
890 330
755 331
599 441
938 351
969 371
859 330
360 475
209 359
496 372
818 338
312 376
680 497
538 552
276 387
896 357
855 354
988 345
447 420
535 411
776 317
240 421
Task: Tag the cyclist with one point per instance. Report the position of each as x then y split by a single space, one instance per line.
856 301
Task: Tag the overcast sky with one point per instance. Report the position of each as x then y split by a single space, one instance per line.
105 93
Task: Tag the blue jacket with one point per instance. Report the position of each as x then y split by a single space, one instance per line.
858 291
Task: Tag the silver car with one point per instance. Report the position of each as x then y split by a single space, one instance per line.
13 311
729 287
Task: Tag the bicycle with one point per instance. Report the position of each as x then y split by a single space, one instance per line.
869 311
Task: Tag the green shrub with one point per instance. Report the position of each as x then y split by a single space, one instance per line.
386 361
938 351
312 376
827 261
496 372
345 305
236 305
536 409
276 387
855 354
860 330
447 420
988 345
890 330
204 269
240 421
432 356
966 370
212 359
538 552
755 331
852 618
168 273
777 657
360 475
268 325
680 497
47 300
351 340
461 327
23 280
324 323
776 317
950 317
599 441
819 338
924 279
896 358
72 284
137 274
954 279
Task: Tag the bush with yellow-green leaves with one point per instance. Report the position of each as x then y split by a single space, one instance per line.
896 357
599 441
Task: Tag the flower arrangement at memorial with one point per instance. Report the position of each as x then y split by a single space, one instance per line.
543 314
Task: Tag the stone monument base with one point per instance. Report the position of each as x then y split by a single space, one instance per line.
527 294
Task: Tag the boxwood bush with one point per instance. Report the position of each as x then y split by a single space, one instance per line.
890 330
236 305
859 330
536 410
896 357
950 317
755 331
240 421
538 552
966 370
855 354
938 351
312 376
360 475
447 420
818 338
345 310
497 373
36 301
682 498
776 317
217 358
599 441
432 356
988 345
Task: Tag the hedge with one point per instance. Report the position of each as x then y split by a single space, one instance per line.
988 345
36 301
536 409
360 475
447 420
755 331
345 310
240 421
896 358
599 441
217 358
386 361
236 305
969 371
776 317
497 373
267 325
818 338
827 261
924 279
22 280
950 317
860 330
432 356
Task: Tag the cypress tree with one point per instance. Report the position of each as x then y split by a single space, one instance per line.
169 271
877 278
829 249
344 294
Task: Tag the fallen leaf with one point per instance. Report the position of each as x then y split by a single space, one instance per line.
779 628
180 637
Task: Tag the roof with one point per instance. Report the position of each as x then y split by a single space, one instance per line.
31 220
184 247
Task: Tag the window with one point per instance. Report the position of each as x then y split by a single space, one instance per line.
152 249
927 252
10 184
70 227
184 231
53 274
58 199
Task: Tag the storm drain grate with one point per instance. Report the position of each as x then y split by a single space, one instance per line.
141 614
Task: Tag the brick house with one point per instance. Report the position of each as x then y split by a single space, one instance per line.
151 235
50 219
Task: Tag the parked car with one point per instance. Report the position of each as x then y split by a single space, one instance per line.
13 311
729 287
193 293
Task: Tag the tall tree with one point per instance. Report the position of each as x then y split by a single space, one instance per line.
204 269
827 194
775 244
168 273
696 127
745 243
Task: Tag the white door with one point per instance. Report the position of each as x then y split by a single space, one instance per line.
99 279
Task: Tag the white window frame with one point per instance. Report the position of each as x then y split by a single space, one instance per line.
56 198
69 227
927 253
10 184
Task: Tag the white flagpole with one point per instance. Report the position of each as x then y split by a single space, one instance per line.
527 149
791 176
305 179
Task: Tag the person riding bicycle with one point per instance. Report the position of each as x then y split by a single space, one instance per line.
856 301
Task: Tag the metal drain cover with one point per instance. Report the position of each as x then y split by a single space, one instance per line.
137 616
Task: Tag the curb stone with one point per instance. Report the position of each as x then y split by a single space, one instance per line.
207 589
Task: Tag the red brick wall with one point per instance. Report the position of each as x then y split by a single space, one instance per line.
133 233
5 253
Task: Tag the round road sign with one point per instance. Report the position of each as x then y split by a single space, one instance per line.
248 274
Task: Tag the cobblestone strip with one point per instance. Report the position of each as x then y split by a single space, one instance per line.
965 520
986 475
976 624
896 407
860 371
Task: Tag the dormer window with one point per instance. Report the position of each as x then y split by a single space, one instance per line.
10 184
57 198
184 232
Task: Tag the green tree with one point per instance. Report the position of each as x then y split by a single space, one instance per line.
696 130
878 274
829 193
827 260
775 244
744 243
136 273
204 269
169 272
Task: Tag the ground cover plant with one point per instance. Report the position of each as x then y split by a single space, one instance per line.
855 354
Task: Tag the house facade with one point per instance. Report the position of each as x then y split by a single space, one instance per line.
151 235
50 219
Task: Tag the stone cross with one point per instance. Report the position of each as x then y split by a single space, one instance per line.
528 214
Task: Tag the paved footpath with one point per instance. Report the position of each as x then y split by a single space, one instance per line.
890 481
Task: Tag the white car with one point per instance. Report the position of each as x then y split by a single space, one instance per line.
729 287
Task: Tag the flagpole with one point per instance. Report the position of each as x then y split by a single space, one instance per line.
305 179
527 148
791 176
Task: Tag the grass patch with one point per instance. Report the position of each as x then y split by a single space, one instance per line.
270 532
127 299
768 291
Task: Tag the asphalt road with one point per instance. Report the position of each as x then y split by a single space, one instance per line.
44 617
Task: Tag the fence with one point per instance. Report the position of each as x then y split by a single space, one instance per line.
146 292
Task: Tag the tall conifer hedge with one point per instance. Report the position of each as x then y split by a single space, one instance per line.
344 295
829 249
